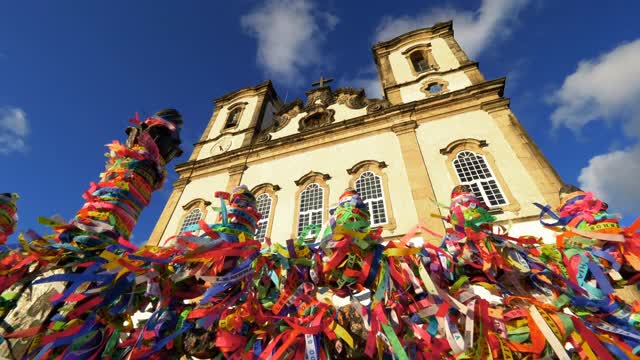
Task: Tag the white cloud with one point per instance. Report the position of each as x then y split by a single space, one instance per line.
604 88
290 34
366 79
475 31
613 177
13 130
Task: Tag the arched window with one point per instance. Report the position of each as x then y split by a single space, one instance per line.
370 180
263 205
473 170
311 208
191 219
369 186
233 118
419 61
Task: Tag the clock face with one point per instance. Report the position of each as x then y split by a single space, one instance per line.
221 146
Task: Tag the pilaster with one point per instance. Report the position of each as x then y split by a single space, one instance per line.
235 176
544 175
419 179
167 213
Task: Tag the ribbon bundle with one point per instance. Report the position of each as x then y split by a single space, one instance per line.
8 216
348 294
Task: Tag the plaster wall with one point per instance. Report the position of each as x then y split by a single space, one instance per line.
342 113
437 134
456 81
334 160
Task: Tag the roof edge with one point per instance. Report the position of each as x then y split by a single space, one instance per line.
445 26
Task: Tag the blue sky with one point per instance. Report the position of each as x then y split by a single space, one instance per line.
72 74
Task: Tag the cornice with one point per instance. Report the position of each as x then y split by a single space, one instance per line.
180 184
268 186
496 105
249 90
236 169
193 202
449 148
473 92
441 28
354 169
416 47
223 134
405 127
311 175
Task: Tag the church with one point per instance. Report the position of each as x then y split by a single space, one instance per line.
440 123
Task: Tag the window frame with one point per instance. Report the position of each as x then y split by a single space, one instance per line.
270 190
264 219
303 182
434 81
369 202
478 182
235 108
311 212
231 113
198 203
478 147
377 168
424 51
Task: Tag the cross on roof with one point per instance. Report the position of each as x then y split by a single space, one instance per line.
322 81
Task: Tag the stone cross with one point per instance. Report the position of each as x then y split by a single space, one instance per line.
322 81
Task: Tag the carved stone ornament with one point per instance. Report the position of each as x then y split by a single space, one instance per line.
316 117
441 86
288 112
319 96
264 136
351 98
375 105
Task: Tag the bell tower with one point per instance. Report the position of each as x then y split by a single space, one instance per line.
424 63
238 118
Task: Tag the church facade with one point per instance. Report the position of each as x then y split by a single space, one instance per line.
440 123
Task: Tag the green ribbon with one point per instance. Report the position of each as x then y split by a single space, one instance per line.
395 342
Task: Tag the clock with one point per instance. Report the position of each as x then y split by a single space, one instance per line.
221 146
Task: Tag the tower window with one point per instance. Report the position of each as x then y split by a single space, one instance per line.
419 61
233 118
192 218
263 205
473 170
311 202
369 186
